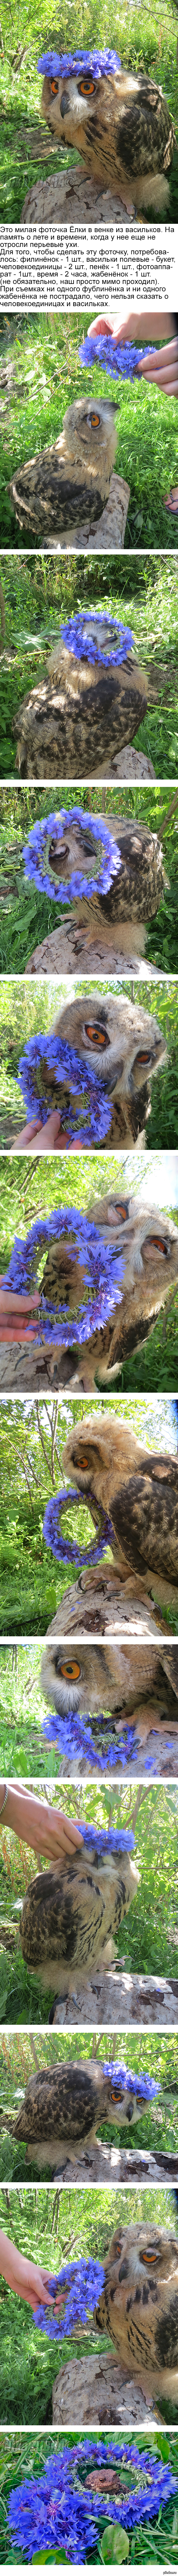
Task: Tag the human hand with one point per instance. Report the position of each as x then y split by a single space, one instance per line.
45 1829
162 368
14 1314
47 1138
24 2278
145 324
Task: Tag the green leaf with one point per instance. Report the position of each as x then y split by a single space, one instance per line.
115 2544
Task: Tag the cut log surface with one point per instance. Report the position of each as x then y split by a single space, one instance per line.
99 1601
65 952
116 2165
132 764
72 197
95 2391
119 2000
107 534
24 1368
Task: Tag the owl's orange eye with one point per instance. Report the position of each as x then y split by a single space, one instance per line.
85 1462
86 87
70 1672
99 1035
143 1059
95 420
116 2095
121 1211
148 2257
156 1239
54 86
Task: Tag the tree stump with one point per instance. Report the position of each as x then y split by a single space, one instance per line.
105 2165
71 197
117 2000
69 950
99 1601
132 764
95 2391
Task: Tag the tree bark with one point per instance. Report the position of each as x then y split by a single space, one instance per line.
96 2391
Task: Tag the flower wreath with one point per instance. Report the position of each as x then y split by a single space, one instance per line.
84 2282
55 2508
64 1549
118 361
100 64
72 1736
90 1120
103 1274
142 2085
79 635
36 855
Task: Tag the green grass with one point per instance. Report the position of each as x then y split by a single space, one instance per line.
24 2455
149 1928
39 592
21 2056
47 377
28 2362
145 43
26 918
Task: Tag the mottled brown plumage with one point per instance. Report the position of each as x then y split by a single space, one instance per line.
67 2103
77 718
139 1489
139 2308
70 1917
72 478
123 130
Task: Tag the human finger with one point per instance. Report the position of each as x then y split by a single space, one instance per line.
16 1305
13 1332
71 1831
26 1135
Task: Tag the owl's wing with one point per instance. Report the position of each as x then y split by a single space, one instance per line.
145 1520
50 491
170 1666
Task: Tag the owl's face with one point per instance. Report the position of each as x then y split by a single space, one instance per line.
123 2108
78 853
92 428
123 1045
76 106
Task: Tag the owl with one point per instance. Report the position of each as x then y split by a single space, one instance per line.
84 710
121 126
138 2308
71 479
